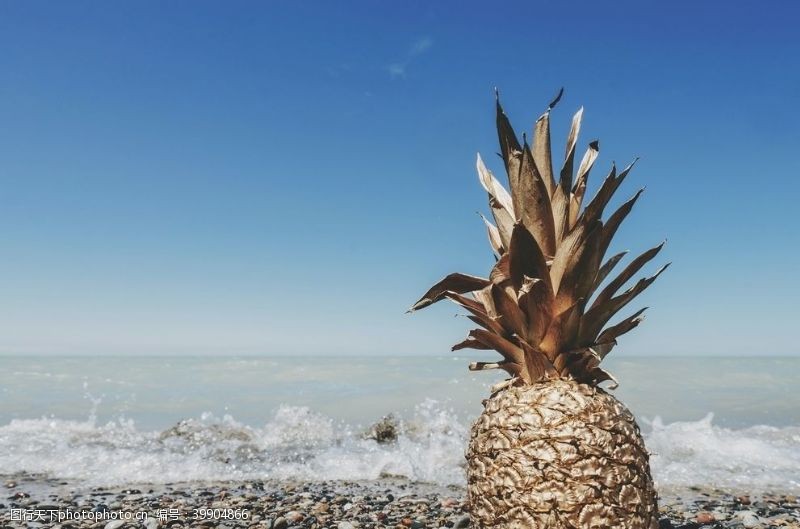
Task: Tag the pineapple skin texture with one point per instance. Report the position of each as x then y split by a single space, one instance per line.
558 454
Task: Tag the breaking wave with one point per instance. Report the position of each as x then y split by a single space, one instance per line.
697 453
300 444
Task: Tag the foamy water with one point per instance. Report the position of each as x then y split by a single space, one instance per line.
118 441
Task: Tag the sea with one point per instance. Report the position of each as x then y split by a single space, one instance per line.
729 423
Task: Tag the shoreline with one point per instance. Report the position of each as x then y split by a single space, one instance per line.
384 503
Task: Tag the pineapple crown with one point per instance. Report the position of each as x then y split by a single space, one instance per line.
534 308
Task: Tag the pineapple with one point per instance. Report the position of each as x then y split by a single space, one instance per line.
552 449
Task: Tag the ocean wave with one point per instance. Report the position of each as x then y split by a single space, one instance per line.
759 458
300 444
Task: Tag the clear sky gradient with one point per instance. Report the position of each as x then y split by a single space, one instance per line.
288 177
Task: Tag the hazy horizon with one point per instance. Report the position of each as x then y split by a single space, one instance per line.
377 354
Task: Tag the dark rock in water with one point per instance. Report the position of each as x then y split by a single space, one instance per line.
197 434
226 443
384 431
665 523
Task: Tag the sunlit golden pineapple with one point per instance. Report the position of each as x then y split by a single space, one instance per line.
552 449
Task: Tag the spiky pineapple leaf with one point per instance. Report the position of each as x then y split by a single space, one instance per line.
541 152
616 218
484 297
563 327
537 365
626 325
514 321
509 143
579 189
503 220
560 362
569 153
627 273
456 282
587 162
576 362
478 311
560 206
494 236
596 318
531 199
483 366
536 300
594 209
579 268
569 254
494 187
501 271
569 323
601 349
562 196
499 201
487 323
510 367
606 269
509 350
529 193
470 343
526 258
598 374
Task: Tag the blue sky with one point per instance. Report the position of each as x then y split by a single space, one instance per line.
288 177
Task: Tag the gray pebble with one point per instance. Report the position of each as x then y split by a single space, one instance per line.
461 522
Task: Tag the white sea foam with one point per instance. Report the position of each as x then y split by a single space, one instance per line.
298 443
700 453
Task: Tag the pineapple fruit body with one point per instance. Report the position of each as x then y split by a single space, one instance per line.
558 454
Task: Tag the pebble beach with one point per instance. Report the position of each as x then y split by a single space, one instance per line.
36 501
